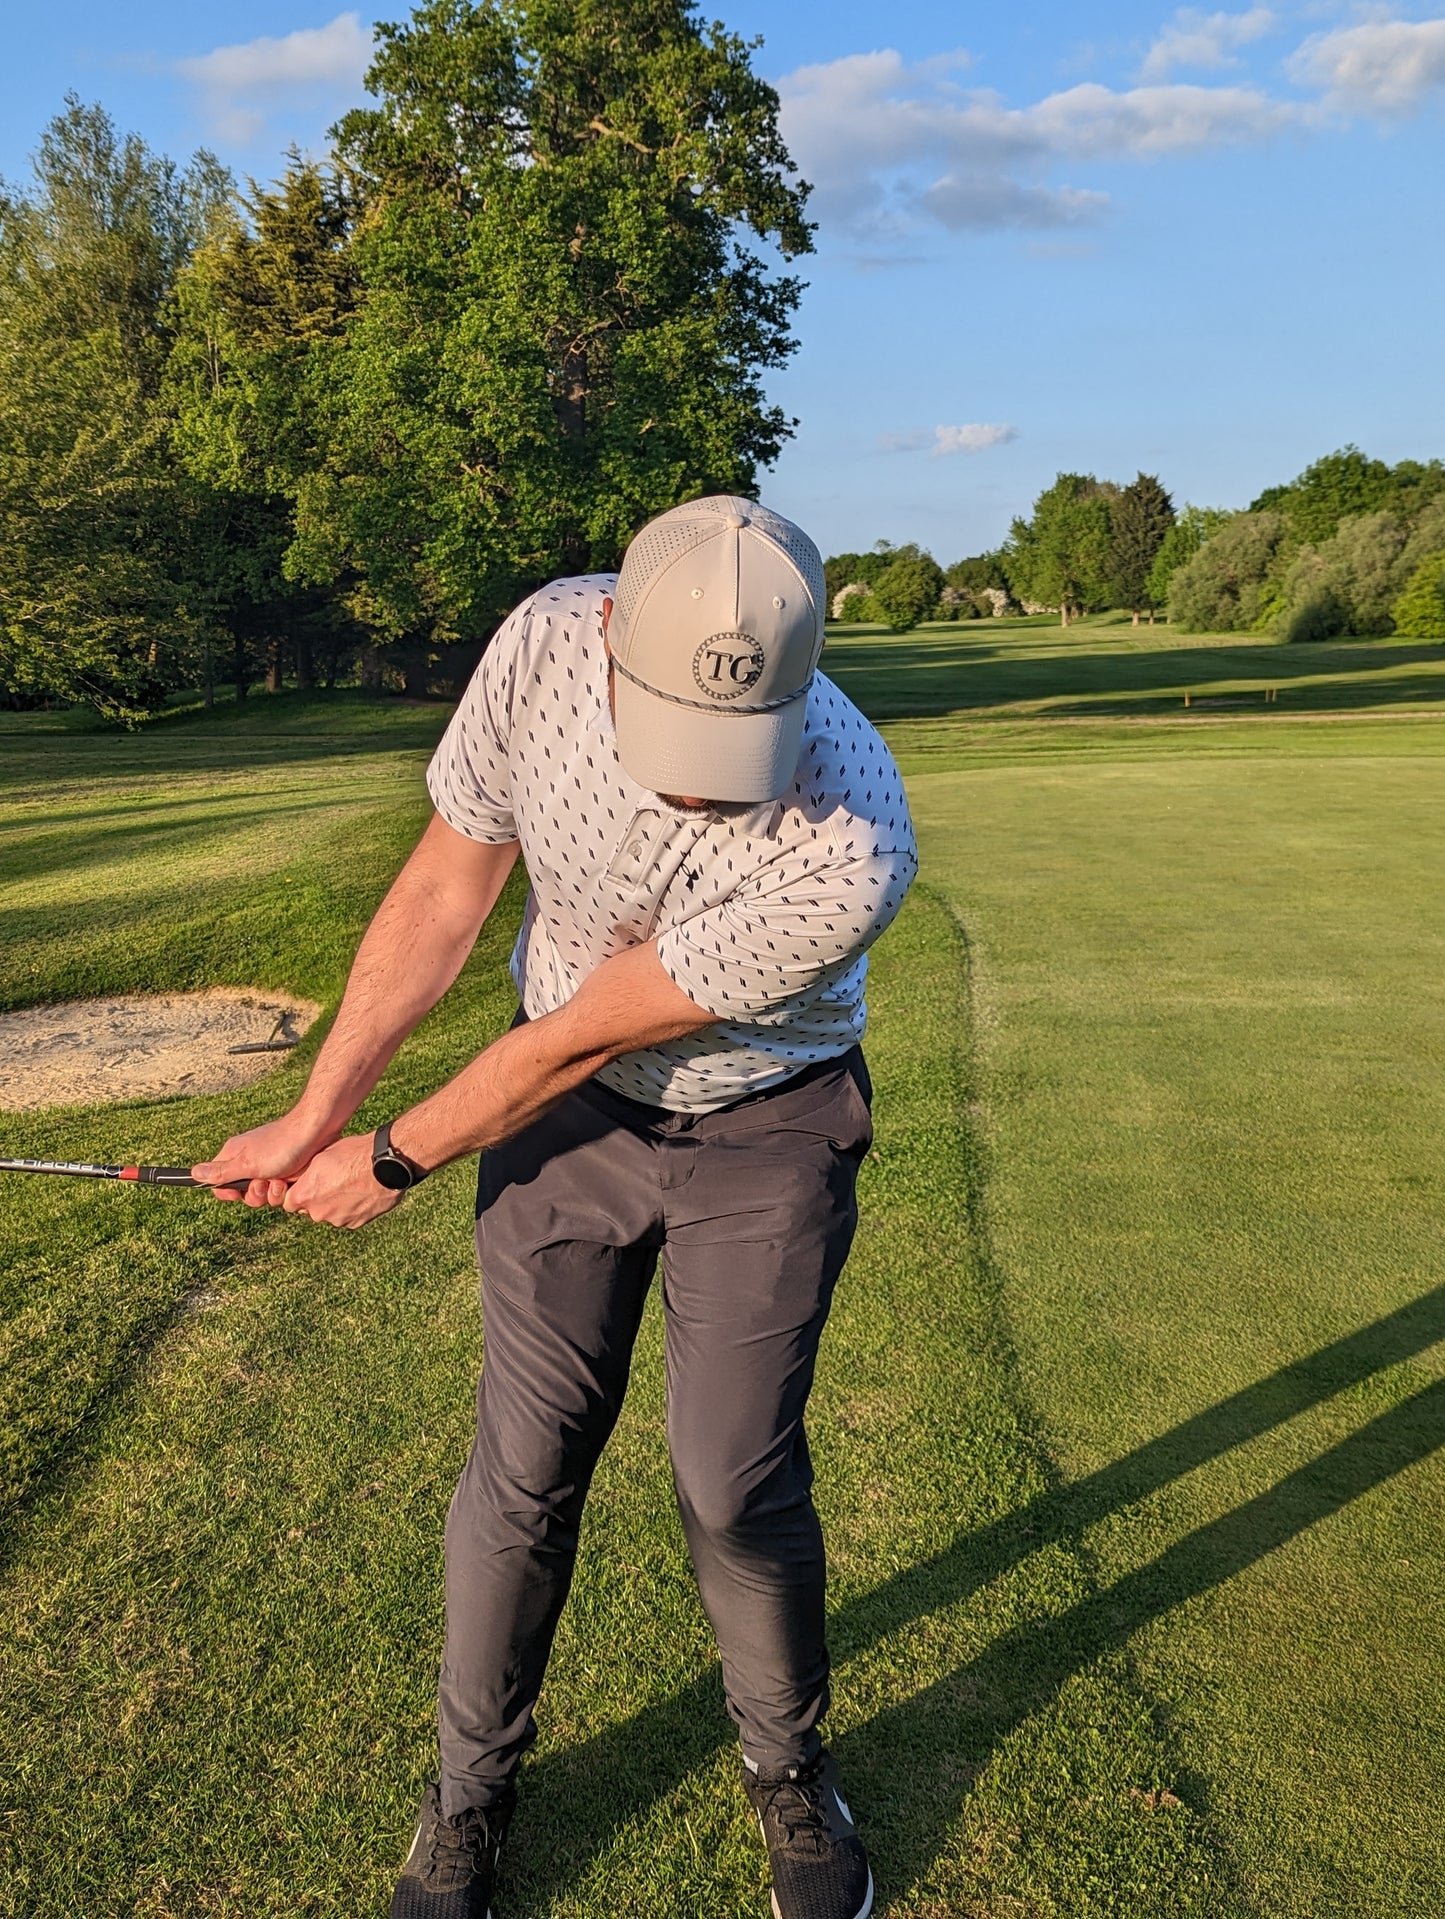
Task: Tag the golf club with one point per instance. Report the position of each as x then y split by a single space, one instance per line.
80 1169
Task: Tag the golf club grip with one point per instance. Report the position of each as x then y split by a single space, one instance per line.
176 1176
139 1175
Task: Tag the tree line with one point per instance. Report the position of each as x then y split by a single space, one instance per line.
338 424
1351 546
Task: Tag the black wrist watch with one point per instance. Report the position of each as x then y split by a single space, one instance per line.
389 1167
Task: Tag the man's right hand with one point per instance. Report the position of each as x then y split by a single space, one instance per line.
260 1165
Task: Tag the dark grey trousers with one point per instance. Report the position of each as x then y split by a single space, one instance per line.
752 1210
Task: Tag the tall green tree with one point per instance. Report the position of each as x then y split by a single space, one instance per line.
96 526
1139 522
907 590
1419 612
562 326
1192 526
259 316
1228 586
859 569
1349 482
1061 555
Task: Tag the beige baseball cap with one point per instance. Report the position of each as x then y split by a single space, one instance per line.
715 634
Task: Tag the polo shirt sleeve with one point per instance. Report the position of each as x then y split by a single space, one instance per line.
789 930
470 779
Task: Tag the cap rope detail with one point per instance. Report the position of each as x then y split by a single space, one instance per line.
710 706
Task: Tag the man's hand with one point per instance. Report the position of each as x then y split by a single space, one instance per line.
263 1162
287 1164
339 1188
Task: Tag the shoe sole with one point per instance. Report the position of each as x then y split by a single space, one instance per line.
862 1912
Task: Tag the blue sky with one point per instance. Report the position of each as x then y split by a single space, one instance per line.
1097 238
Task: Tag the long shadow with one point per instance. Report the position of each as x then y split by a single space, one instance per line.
979 1704
43 762
920 680
67 1454
578 1800
58 850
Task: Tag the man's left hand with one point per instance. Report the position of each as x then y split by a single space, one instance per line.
339 1188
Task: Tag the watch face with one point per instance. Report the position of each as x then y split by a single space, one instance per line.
392 1173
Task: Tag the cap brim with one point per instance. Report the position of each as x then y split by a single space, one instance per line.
707 756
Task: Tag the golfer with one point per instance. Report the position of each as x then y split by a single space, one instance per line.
713 835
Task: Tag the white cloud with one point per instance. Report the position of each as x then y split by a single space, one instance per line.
241 85
976 438
889 145
1207 40
1098 123
1382 67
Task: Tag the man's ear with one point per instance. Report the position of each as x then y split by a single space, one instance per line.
606 622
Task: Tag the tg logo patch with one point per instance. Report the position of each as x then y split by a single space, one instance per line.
727 664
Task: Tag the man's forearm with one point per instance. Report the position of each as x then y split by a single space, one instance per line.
627 1004
412 951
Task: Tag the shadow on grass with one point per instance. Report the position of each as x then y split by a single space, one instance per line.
285 729
577 1801
55 1431
921 678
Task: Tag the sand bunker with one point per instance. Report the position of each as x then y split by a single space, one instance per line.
145 1046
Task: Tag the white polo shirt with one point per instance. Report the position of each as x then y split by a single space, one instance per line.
761 914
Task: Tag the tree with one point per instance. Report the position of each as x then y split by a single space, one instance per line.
858 569
1346 483
1225 586
259 312
97 525
1427 537
1419 612
1346 584
1191 528
849 602
561 326
908 590
1061 555
1139 522
974 586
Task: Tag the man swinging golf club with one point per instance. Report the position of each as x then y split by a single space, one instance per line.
713 835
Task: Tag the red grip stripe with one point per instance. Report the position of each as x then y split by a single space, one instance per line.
130 1172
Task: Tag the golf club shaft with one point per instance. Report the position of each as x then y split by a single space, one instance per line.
80 1169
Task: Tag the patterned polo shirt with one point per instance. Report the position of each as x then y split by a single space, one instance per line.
761 914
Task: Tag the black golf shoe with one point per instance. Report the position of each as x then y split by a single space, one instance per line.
820 1870
452 1866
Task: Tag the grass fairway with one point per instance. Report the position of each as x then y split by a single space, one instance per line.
1127 1416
